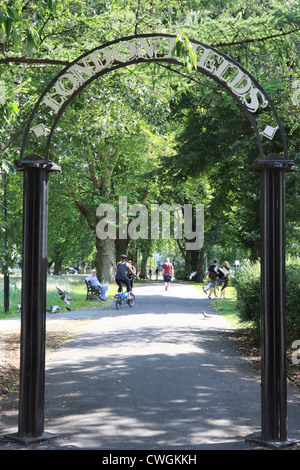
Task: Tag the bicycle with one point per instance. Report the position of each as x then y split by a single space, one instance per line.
122 298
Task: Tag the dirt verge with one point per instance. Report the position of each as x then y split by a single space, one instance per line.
57 334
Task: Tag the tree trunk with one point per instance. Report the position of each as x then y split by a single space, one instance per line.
144 265
255 252
105 260
57 266
201 267
191 261
121 247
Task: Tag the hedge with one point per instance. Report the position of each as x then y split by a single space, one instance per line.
248 288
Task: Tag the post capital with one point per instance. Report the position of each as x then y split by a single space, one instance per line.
273 161
35 161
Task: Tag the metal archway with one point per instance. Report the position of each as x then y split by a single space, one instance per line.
41 125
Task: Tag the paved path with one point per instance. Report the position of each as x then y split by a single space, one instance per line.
156 376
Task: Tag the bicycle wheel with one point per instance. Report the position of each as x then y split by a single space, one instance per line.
118 304
131 301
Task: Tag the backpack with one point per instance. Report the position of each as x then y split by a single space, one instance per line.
212 273
223 272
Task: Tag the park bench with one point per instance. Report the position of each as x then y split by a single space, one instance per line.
92 293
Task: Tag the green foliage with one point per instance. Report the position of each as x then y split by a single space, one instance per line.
247 285
292 300
19 22
131 113
184 49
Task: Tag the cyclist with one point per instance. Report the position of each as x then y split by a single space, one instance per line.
121 276
129 273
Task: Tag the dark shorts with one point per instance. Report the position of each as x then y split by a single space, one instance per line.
167 278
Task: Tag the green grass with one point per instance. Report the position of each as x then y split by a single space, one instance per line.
227 306
73 283
14 295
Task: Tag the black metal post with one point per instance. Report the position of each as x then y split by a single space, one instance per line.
33 307
273 335
6 275
6 292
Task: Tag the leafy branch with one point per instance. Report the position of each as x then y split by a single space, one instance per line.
254 40
185 50
182 49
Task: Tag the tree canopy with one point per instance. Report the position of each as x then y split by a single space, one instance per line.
155 133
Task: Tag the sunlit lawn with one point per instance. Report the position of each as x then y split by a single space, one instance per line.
227 306
73 283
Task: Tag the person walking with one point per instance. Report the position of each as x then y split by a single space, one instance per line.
212 273
224 274
168 273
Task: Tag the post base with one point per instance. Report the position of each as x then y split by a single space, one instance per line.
257 439
29 440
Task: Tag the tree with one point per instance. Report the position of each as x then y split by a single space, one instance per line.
102 149
38 38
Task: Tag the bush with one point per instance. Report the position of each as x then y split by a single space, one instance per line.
292 300
247 284
248 289
180 273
